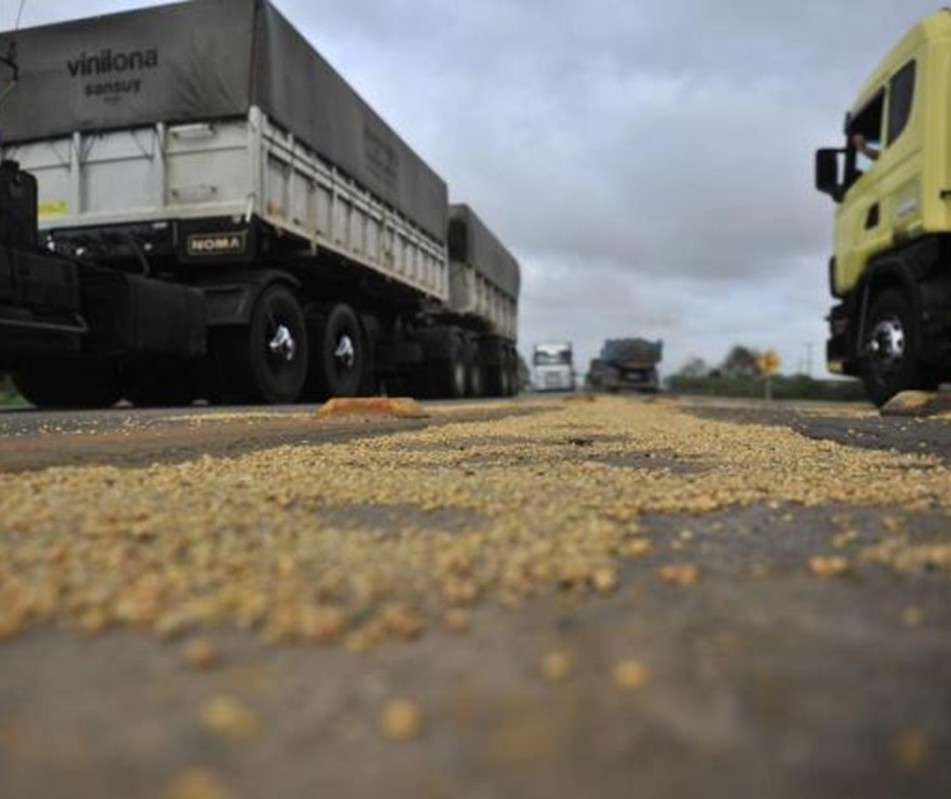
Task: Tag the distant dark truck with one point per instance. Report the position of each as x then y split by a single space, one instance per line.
626 363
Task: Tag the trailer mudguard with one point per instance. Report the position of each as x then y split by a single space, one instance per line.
230 297
132 315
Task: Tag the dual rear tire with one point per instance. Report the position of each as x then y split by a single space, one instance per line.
283 356
451 373
470 367
503 376
279 357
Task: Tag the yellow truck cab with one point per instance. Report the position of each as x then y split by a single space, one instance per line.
891 267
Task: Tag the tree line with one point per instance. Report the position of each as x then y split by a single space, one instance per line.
738 376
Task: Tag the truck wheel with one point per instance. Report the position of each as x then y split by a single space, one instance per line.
505 378
370 380
493 355
475 369
494 380
511 372
340 356
267 360
891 349
70 387
452 372
505 373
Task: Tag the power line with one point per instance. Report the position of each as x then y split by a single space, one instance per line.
10 58
16 27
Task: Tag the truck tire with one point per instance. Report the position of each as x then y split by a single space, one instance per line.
504 373
505 378
511 372
341 356
69 386
370 381
475 368
891 347
494 380
451 373
266 361
493 360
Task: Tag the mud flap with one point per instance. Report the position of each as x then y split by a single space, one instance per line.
134 315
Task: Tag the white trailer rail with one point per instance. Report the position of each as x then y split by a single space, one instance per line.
240 168
471 293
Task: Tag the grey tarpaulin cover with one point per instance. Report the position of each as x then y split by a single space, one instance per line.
471 242
204 60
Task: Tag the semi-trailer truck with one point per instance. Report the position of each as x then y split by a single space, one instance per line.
890 272
626 364
553 367
218 214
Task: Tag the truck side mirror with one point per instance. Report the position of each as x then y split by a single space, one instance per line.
829 168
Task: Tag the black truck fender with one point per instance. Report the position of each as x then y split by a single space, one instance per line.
230 297
921 272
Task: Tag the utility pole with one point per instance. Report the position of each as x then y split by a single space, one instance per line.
809 358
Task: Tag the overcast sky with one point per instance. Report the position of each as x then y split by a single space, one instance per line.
649 163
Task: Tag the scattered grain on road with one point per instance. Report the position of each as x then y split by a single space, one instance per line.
556 666
201 654
243 540
401 720
630 674
660 559
228 717
199 784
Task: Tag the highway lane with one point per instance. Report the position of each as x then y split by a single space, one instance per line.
621 596
31 439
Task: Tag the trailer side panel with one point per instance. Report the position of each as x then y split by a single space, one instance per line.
211 60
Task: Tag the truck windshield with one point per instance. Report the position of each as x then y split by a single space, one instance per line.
561 358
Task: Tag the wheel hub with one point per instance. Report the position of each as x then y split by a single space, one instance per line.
887 342
282 345
345 355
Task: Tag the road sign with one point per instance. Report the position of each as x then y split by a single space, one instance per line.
768 363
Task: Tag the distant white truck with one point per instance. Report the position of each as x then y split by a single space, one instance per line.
553 367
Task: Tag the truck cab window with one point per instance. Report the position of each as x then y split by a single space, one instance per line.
901 93
865 137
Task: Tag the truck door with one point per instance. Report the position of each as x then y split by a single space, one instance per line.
860 228
901 161
883 205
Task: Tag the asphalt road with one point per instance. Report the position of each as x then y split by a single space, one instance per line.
562 598
32 439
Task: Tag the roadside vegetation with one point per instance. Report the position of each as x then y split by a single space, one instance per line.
784 387
8 394
738 376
